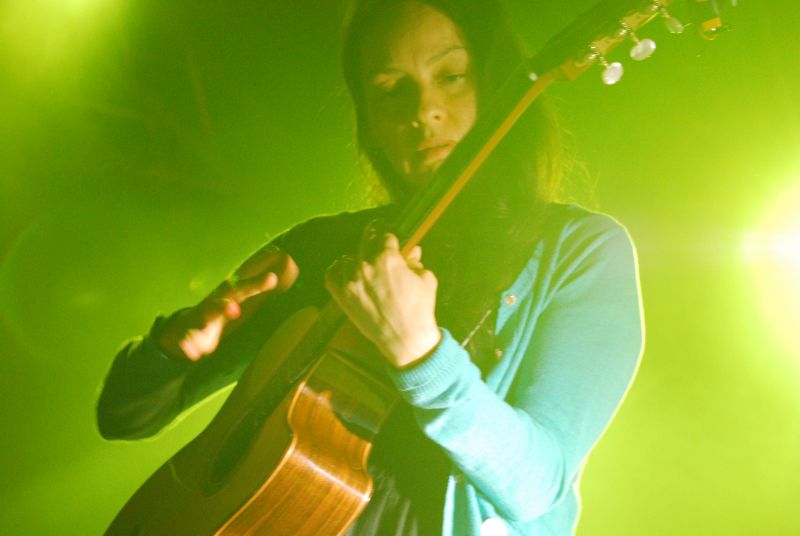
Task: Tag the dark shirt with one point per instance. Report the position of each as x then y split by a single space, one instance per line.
145 390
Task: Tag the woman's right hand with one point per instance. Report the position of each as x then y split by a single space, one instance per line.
196 332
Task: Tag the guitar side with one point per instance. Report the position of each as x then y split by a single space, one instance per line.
300 470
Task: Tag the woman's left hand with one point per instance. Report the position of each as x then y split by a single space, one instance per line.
389 298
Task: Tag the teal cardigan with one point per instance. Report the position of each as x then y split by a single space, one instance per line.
569 337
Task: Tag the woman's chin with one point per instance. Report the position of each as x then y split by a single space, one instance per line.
420 178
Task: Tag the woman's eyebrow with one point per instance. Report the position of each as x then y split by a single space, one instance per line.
383 71
444 52
390 70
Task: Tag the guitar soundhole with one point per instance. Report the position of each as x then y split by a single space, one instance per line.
232 452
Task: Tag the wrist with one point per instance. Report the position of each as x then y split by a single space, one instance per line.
422 346
162 340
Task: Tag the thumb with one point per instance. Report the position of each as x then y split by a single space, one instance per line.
414 258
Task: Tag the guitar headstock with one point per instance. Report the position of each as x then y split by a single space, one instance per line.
597 32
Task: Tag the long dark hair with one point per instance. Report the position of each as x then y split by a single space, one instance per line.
491 230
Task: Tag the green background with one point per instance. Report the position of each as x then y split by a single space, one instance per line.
147 147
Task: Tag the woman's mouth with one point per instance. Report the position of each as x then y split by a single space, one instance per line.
433 152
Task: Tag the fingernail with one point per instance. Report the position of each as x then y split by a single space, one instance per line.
232 310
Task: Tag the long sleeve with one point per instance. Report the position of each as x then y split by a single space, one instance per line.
145 390
571 347
141 393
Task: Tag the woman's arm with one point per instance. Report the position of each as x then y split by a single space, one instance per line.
155 377
152 379
578 355
578 359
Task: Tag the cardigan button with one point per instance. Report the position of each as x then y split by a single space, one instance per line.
498 353
494 526
510 299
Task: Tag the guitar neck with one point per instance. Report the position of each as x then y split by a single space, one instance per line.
566 56
427 207
569 54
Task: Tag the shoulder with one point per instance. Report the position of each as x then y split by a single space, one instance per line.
574 223
340 225
572 229
577 243
315 243
343 229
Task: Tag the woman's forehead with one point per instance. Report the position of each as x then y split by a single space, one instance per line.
409 29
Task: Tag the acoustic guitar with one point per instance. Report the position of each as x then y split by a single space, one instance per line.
287 452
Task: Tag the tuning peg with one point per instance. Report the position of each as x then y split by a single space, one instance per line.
674 26
612 72
642 48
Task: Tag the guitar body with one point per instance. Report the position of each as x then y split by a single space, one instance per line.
299 470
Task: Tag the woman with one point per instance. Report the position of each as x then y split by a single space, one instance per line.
493 431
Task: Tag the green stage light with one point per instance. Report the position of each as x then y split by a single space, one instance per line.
772 252
46 37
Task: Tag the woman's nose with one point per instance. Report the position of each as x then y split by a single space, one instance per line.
430 109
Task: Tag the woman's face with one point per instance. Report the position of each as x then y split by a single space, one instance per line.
419 89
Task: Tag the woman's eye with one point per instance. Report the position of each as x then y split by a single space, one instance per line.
453 78
386 85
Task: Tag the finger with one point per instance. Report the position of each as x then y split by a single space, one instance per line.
339 273
414 259
247 288
270 259
264 259
227 299
415 255
418 268
333 276
365 271
189 350
232 309
197 343
350 292
344 290
429 278
391 242
370 245
349 268
215 309
390 257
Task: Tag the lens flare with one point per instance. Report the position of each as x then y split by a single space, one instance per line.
42 38
773 253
